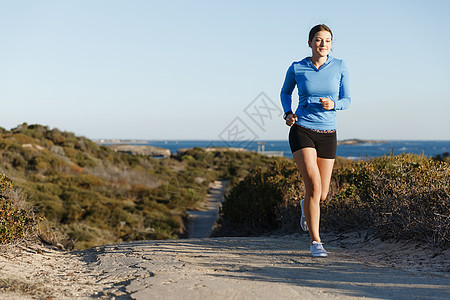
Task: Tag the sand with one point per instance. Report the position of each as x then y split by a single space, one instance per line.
268 267
202 220
35 271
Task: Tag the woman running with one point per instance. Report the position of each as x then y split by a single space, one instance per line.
323 88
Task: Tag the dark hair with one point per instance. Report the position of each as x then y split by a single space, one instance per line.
316 29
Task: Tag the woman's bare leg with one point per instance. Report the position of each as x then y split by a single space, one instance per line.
326 169
307 163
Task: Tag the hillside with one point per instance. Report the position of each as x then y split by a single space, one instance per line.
92 195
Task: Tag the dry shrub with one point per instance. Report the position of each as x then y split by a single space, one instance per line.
49 234
264 200
123 175
405 196
23 287
17 220
402 197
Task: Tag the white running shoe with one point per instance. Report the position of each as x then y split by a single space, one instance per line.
303 219
317 250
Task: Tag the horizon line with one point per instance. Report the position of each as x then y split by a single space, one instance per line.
259 140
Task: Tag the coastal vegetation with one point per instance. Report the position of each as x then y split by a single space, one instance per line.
444 157
16 219
89 195
392 197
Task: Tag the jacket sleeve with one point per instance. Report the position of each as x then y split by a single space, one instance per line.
344 89
287 89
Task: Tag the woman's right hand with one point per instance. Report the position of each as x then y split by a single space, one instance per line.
291 119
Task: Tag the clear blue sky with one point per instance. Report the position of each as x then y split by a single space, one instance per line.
188 69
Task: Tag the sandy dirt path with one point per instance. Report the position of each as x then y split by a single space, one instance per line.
270 267
254 268
201 221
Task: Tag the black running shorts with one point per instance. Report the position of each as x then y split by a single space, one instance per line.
324 143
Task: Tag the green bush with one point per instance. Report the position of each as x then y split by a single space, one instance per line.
445 157
258 203
14 223
402 197
405 196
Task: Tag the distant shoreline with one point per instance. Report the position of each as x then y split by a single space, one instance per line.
354 148
139 147
359 142
144 142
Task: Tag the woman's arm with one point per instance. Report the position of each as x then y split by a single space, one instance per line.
344 89
287 89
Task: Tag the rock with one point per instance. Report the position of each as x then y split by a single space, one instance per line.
58 150
33 146
359 142
181 151
199 180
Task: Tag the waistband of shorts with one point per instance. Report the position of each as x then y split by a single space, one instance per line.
318 130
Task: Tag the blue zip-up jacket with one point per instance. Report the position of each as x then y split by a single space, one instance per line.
331 81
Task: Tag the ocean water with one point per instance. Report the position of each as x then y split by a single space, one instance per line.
355 152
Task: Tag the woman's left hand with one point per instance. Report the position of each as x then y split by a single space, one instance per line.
327 104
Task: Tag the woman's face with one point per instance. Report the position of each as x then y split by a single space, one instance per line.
321 44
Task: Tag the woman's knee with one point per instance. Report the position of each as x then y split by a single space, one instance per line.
325 191
314 187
